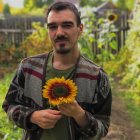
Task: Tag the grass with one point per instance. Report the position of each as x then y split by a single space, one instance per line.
133 107
8 131
134 111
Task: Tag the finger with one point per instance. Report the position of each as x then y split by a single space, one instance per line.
54 112
52 117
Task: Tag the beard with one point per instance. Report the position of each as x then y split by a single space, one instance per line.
62 49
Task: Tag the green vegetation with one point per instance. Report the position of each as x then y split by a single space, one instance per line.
106 41
132 71
125 5
6 9
37 7
132 108
8 131
121 4
125 66
37 42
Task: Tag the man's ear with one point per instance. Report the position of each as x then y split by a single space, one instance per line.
80 29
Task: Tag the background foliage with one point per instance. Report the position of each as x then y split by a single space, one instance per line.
132 71
121 4
124 66
8 131
37 42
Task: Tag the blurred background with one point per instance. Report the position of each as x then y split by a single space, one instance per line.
111 39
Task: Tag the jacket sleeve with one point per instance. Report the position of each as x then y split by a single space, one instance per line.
15 105
98 114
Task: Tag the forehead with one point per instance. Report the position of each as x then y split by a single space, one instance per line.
61 16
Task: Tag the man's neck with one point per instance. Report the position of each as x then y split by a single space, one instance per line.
65 61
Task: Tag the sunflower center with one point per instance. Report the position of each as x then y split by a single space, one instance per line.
60 90
111 17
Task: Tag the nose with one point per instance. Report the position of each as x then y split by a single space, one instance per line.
59 31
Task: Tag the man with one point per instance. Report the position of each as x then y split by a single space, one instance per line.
88 117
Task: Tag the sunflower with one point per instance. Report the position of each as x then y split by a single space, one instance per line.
60 90
112 17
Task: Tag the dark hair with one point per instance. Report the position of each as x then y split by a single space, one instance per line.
58 6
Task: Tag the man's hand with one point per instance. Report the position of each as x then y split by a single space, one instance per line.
46 119
74 110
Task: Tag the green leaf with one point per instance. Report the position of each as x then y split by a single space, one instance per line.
113 45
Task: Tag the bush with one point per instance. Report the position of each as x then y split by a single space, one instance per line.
127 64
37 42
132 72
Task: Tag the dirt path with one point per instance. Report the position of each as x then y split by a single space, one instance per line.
122 127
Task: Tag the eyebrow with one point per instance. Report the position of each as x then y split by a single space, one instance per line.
65 22
48 24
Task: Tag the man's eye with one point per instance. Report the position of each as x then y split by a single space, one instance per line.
52 27
67 26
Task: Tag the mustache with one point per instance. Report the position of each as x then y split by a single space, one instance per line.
61 38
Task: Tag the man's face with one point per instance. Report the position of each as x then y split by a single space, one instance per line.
63 30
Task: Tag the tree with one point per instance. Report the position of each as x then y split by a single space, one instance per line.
30 4
90 2
6 9
41 3
123 4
